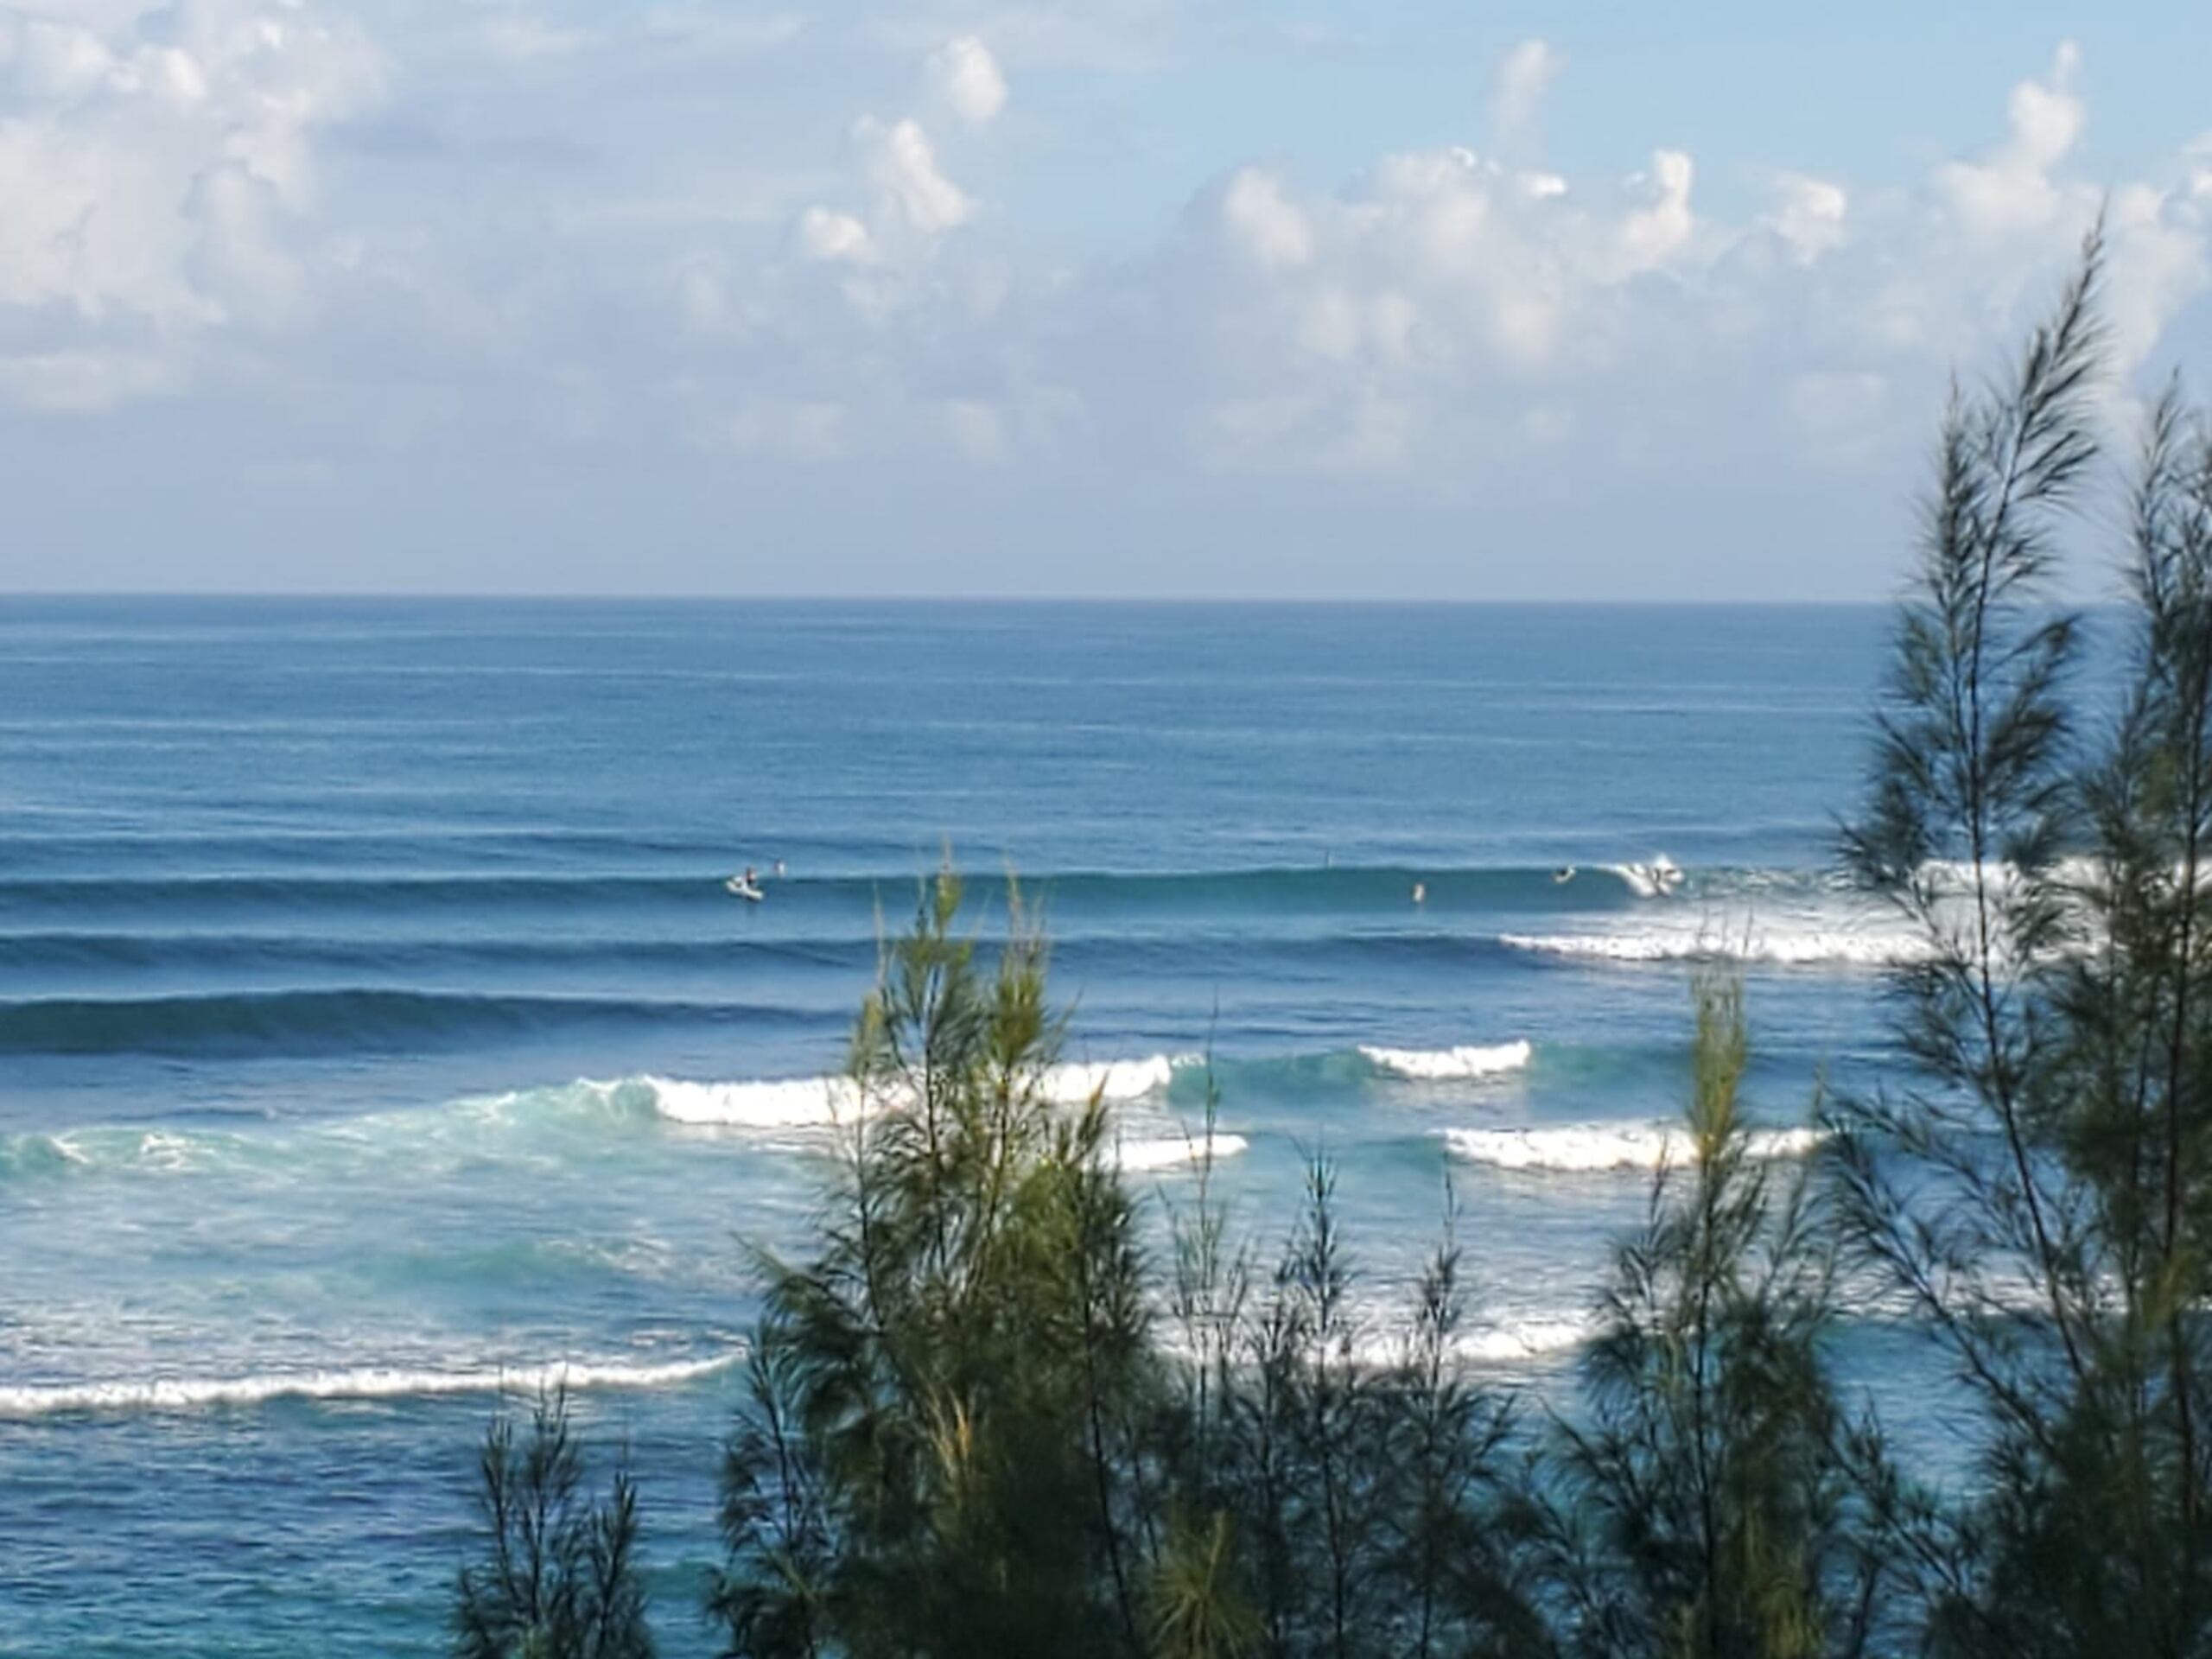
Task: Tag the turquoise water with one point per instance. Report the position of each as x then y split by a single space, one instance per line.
375 1028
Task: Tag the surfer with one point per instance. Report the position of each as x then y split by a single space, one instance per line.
1420 893
1562 875
745 887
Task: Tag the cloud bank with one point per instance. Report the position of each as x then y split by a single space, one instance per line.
256 213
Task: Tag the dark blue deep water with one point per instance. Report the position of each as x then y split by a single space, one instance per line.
375 1026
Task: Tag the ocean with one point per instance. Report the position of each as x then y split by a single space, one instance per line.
376 1030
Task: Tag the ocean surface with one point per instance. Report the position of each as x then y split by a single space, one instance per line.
376 1031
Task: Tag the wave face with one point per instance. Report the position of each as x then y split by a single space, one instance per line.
1578 1148
321 1023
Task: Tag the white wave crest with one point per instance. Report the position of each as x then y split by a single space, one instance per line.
1660 879
784 1103
1523 1339
817 1103
371 1382
1589 1148
1783 947
1437 1064
1075 1081
1174 1151
1382 1345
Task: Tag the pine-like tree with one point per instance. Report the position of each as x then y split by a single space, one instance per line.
2038 1192
559 1576
1710 1499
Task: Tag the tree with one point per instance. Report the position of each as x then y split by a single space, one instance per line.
939 1453
1712 1501
558 1577
2037 1192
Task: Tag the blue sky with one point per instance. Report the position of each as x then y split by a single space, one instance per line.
1399 299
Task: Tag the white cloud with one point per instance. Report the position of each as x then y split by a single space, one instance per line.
1262 223
1808 215
1522 77
900 165
1464 323
158 171
2011 188
965 77
835 237
1653 233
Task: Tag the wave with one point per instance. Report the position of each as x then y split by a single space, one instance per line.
1523 1339
807 1102
1169 1152
351 1019
1659 879
368 1382
1592 1147
133 894
1438 1064
1782 946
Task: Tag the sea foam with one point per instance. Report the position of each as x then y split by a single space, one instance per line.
1782 946
1589 1148
814 1102
1440 1065
365 1383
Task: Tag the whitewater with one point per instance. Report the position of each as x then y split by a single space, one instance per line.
381 1043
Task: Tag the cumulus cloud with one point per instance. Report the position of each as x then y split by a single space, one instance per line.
835 237
1522 77
1448 318
965 77
1810 215
2011 188
900 164
1451 304
159 172
1266 226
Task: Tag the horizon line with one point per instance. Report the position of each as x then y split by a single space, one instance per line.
721 597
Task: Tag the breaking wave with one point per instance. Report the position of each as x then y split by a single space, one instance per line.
808 1102
1590 1148
1438 1064
1779 946
366 1382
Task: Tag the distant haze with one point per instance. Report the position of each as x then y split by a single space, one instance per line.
1123 297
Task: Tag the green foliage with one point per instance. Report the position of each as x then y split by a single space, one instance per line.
971 1427
937 1456
559 1576
1713 1501
2038 1191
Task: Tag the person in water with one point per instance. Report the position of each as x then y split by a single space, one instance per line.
746 879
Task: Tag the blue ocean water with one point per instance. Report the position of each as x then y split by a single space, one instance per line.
375 1027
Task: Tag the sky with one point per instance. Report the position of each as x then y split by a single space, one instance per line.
1394 300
